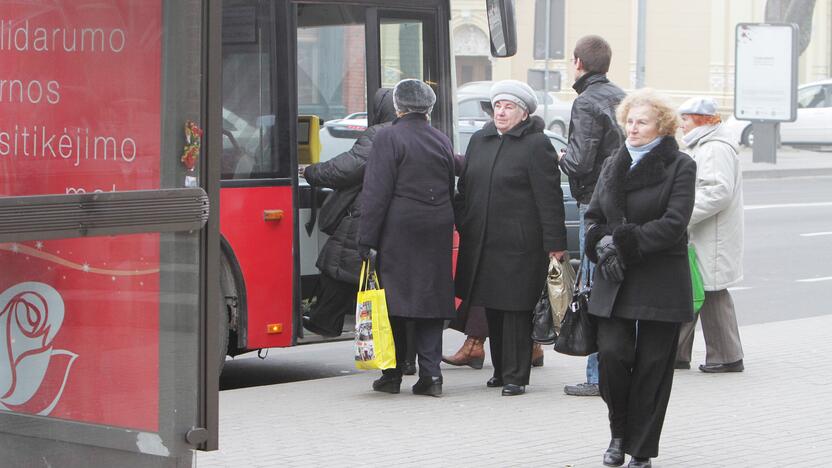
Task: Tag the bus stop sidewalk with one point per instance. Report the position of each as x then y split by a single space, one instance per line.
791 162
776 413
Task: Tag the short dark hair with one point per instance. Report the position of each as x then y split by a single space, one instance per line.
594 52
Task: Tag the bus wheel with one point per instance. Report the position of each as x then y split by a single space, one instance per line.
228 300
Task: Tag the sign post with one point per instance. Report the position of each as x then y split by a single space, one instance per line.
765 84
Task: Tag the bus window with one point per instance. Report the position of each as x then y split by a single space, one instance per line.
401 50
332 82
249 126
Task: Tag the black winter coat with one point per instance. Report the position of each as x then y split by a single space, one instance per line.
408 217
510 216
339 258
646 209
594 134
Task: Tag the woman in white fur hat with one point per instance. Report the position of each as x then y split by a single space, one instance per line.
510 217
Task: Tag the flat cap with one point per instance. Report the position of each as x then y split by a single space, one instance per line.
515 91
412 95
699 106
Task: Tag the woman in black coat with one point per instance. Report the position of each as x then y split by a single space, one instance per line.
339 261
511 220
407 216
637 234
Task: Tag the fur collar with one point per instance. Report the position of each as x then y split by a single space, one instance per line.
651 170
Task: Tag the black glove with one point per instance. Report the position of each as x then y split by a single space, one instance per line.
604 247
368 253
612 268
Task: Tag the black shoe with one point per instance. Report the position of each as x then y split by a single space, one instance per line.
309 325
409 368
494 382
681 365
512 390
431 386
614 456
636 462
719 368
388 384
583 389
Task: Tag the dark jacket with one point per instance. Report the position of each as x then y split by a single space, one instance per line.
646 209
594 134
408 217
511 214
339 258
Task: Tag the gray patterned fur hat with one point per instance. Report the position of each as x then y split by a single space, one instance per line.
412 95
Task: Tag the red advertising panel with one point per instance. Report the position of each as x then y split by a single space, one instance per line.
80 100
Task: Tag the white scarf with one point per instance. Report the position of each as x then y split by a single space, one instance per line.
692 137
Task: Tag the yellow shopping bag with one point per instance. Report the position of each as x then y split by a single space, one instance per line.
374 347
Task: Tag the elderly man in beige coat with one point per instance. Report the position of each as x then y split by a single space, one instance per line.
716 232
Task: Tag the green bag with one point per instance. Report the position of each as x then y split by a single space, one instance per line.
696 280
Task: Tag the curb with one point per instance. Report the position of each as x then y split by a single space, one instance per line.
783 173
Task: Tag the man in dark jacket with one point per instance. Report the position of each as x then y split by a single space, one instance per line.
339 261
408 218
593 137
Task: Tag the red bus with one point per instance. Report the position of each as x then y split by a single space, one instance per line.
292 71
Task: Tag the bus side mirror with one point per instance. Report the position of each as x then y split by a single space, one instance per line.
502 27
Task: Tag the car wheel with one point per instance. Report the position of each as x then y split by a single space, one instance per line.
558 127
747 138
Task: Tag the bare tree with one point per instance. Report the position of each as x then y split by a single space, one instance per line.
798 12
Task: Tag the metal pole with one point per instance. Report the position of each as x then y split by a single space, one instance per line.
640 45
546 63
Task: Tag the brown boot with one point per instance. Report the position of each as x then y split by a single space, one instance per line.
537 355
470 354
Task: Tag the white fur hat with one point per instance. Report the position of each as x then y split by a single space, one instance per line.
514 91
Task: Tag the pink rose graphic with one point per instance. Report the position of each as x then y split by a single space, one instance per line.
32 374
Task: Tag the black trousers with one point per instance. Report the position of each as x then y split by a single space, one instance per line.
510 336
427 340
636 374
335 300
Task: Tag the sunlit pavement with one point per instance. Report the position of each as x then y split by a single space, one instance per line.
776 413
791 162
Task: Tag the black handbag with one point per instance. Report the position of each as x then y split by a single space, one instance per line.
335 208
577 330
543 325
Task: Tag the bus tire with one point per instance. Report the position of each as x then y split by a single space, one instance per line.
228 294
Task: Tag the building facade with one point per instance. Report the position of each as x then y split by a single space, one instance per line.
689 45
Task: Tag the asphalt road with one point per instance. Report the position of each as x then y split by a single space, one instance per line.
788 275
788 250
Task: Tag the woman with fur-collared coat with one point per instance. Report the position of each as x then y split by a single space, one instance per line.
637 235
510 217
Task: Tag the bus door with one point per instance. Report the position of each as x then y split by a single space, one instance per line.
344 54
257 212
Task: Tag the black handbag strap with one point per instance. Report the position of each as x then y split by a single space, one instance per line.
578 277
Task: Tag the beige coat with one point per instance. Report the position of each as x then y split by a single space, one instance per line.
716 226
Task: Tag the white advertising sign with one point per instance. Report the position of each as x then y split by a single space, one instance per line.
766 78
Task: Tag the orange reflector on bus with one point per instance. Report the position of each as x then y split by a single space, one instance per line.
272 215
272 328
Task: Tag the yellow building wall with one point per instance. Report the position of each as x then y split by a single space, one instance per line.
689 44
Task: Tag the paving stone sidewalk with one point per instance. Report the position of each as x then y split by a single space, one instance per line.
791 162
776 413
